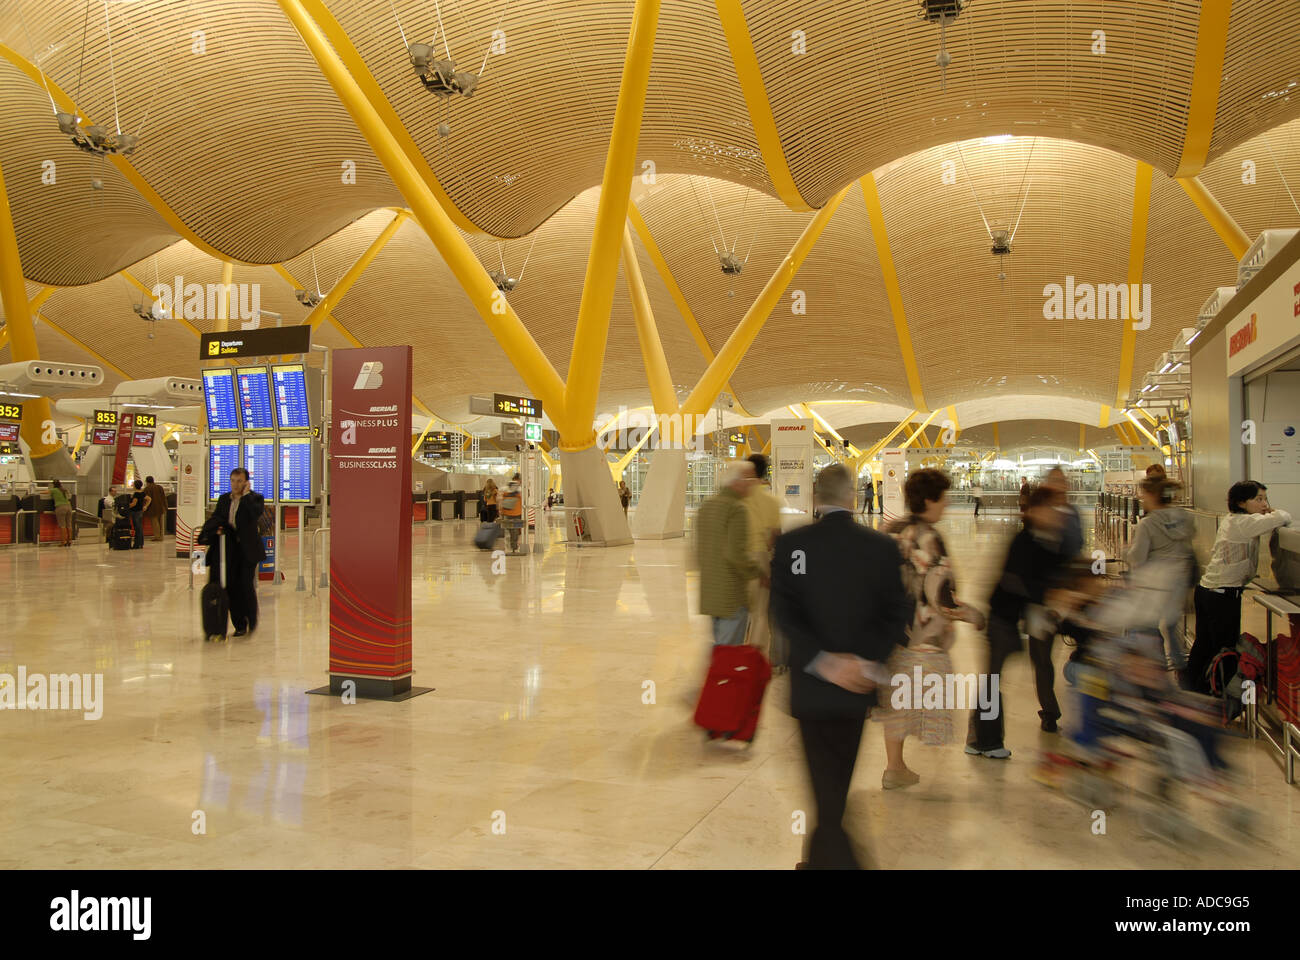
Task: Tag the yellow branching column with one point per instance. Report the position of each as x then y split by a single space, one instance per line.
50 459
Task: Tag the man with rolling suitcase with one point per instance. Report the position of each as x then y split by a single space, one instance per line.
837 595
234 526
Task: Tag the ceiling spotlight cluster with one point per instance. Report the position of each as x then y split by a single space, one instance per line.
95 139
504 283
731 264
309 298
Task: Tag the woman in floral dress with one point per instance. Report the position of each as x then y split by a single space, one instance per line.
928 579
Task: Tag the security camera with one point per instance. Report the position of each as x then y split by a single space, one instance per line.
731 264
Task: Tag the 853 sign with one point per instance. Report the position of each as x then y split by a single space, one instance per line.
106 418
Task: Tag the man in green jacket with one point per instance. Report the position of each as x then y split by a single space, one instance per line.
726 563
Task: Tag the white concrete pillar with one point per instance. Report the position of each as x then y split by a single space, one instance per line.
661 509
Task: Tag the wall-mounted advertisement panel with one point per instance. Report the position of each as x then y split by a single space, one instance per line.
792 464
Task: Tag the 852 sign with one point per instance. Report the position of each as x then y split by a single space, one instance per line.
11 411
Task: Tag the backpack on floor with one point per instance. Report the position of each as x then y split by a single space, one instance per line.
1229 671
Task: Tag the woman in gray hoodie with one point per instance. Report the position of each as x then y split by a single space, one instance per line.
1163 538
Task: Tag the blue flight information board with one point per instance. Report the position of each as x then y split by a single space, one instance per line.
259 460
223 456
291 408
219 395
295 470
255 398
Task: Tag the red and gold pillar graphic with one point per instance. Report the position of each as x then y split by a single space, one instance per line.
370 521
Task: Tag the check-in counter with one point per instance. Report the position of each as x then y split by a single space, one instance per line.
473 505
419 506
8 520
459 501
444 505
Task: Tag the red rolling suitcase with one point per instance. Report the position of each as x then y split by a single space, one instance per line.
733 692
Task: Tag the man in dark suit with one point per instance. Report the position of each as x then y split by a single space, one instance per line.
237 516
837 592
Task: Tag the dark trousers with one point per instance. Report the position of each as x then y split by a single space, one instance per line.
1218 627
137 525
1040 653
241 582
830 745
986 733
977 506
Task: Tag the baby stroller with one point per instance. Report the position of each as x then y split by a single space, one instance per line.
1137 736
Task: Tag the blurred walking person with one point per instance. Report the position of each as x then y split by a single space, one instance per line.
1164 536
764 515
837 595
726 564
1026 577
931 590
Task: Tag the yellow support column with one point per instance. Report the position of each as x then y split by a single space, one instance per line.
1136 257
662 394
22 334
336 293
223 304
492 306
729 357
591 332
1229 231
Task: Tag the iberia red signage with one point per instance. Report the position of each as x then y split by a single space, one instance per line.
1242 338
370 520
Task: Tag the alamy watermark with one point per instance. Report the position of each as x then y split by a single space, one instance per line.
57 691
671 431
946 691
1098 301
201 301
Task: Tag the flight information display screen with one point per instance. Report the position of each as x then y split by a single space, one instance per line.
223 456
295 469
103 436
142 438
255 398
9 432
259 461
290 386
219 396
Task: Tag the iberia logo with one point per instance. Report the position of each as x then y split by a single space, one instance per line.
1243 337
188 469
214 348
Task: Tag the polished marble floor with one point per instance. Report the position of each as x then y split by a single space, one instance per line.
536 749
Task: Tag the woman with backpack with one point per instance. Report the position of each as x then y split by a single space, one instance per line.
928 580
1233 563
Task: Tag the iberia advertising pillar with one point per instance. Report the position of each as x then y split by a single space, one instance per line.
370 522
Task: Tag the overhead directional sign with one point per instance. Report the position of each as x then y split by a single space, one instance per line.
510 405
255 343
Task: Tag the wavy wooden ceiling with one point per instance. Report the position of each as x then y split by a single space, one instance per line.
246 143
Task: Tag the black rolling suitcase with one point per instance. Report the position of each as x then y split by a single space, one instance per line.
121 535
214 601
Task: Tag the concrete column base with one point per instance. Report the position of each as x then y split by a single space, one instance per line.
661 510
587 483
